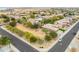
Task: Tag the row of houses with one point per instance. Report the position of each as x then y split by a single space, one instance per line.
64 23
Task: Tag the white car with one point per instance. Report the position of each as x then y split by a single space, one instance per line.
60 40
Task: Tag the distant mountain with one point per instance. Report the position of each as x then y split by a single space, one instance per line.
3 8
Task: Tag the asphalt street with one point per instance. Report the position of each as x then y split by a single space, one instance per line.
60 46
19 44
66 40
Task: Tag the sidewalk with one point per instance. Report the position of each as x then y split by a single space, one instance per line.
9 48
74 44
36 47
64 34
22 39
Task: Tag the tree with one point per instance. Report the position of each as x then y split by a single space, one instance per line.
6 18
4 41
48 37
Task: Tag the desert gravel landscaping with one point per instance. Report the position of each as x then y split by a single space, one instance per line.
37 32
36 27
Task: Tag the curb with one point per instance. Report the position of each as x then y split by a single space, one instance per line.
14 48
64 34
19 38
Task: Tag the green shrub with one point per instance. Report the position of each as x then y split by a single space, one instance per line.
29 24
51 20
6 20
45 30
45 21
62 29
22 20
19 32
27 35
13 19
32 16
53 34
35 26
13 23
33 39
15 30
48 37
60 17
19 21
5 16
40 41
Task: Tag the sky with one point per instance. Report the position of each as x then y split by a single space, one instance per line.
39 3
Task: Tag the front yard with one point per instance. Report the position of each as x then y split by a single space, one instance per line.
36 32
36 37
